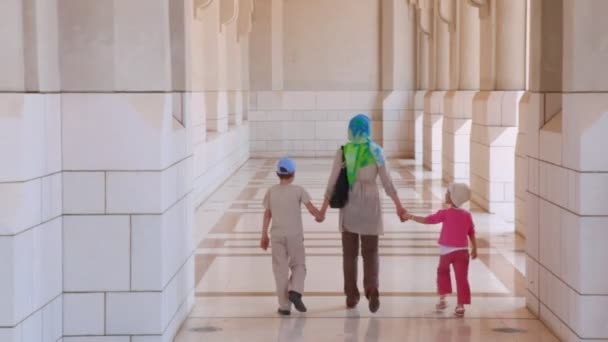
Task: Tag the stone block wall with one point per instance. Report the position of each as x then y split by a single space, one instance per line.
108 139
315 124
31 223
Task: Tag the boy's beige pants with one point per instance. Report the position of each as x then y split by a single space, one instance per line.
288 255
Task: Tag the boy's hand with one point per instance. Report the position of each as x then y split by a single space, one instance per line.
264 242
320 218
474 253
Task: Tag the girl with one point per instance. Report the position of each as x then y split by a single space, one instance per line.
457 225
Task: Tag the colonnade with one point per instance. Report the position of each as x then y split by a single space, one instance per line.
516 105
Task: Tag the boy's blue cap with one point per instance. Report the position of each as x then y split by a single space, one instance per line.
286 166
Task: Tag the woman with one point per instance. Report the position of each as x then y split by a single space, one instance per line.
361 218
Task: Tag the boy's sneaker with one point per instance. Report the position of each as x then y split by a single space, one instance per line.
284 312
296 299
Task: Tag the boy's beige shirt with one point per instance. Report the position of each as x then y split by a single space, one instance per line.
285 203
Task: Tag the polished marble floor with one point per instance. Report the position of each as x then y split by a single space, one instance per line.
235 298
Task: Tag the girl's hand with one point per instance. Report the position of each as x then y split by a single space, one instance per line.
474 253
264 242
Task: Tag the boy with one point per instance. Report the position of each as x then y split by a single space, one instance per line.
283 206
453 246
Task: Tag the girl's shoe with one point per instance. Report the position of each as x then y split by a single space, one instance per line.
459 311
442 305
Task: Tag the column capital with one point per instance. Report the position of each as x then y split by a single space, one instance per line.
199 6
479 3
446 12
245 20
483 5
424 21
229 12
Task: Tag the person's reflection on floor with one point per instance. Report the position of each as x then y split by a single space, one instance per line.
453 331
291 330
373 330
351 326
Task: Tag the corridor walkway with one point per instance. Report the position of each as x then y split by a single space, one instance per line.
235 298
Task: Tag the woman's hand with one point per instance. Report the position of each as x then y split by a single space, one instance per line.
264 242
402 213
321 217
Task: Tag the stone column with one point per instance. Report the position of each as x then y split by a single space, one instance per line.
423 21
496 106
31 283
566 227
433 106
128 266
398 76
464 61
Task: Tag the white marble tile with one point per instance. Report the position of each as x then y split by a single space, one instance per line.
31 328
52 321
357 329
7 287
97 339
84 192
84 314
134 313
20 206
52 203
134 192
394 277
96 253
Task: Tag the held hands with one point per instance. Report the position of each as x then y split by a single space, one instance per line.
406 217
402 213
264 242
320 217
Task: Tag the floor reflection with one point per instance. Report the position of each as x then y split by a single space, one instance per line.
235 289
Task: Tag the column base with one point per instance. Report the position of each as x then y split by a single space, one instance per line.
419 125
456 136
493 139
433 125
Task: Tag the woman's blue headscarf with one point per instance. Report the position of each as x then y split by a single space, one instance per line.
361 150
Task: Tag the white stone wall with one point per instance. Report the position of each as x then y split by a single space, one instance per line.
128 214
493 140
433 130
456 139
31 245
315 124
108 140
566 223
419 126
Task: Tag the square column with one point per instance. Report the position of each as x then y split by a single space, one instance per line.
30 174
127 236
419 125
457 122
433 126
31 269
568 213
493 138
